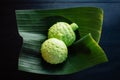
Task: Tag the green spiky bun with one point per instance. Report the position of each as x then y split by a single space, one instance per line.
63 31
54 51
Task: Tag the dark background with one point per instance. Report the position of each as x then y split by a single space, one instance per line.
10 41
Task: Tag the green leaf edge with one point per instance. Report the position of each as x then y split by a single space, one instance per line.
83 40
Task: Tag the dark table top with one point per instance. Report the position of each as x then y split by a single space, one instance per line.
110 38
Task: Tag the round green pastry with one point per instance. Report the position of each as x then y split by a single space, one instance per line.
54 51
64 32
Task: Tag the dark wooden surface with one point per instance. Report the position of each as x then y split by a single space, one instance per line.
10 41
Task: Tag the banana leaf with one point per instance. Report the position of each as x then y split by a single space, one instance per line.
85 52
